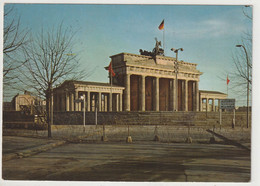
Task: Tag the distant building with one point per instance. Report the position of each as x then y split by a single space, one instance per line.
27 103
97 96
210 100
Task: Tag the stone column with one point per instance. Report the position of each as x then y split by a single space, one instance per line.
193 95
62 102
127 93
76 98
183 94
201 104
72 101
172 94
143 93
117 102
157 94
105 103
218 105
67 102
186 96
88 101
207 104
197 93
175 93
99 101
213 104
120 101
110 101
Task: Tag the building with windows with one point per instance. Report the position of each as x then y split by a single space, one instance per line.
27 103
210 100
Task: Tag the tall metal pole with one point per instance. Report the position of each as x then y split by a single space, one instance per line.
247 113
50 119
96 112
163 39
83 98
227 89
84 112
111 84
247 104
176 73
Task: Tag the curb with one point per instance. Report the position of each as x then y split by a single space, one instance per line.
32 151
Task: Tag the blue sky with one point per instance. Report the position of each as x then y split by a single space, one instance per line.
208 34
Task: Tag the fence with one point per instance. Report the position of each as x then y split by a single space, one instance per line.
152 118
143 126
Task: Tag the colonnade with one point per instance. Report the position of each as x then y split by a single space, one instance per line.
183 98
208 104
102 101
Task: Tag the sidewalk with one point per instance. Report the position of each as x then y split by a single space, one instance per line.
18 147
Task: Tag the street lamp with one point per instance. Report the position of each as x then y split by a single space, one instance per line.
247 61
84 106
176 73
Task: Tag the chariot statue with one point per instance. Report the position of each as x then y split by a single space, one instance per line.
156 51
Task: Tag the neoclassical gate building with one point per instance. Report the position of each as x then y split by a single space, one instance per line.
141 83
146 82
100 96
150 83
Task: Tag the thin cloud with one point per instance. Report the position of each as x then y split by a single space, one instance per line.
211 28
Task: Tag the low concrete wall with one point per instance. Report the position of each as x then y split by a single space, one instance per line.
151 118
166 133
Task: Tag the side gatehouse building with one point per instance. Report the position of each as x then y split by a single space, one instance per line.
140 83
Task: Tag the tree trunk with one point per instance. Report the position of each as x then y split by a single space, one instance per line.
48 109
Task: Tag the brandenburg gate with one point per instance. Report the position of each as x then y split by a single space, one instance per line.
150 83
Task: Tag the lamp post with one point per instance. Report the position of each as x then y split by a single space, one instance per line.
247 61
176 67
84 114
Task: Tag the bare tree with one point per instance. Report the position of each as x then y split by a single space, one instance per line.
14 39
242 59
239 74
49 62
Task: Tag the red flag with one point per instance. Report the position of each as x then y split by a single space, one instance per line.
161 26
228 80
110 69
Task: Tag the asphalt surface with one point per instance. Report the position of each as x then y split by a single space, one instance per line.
139 161
13 144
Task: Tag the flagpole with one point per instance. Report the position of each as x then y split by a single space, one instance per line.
111 75
111 87
227 84
161 27
227 89
163 39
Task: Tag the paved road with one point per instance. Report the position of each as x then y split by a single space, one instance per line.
142 161
13 144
